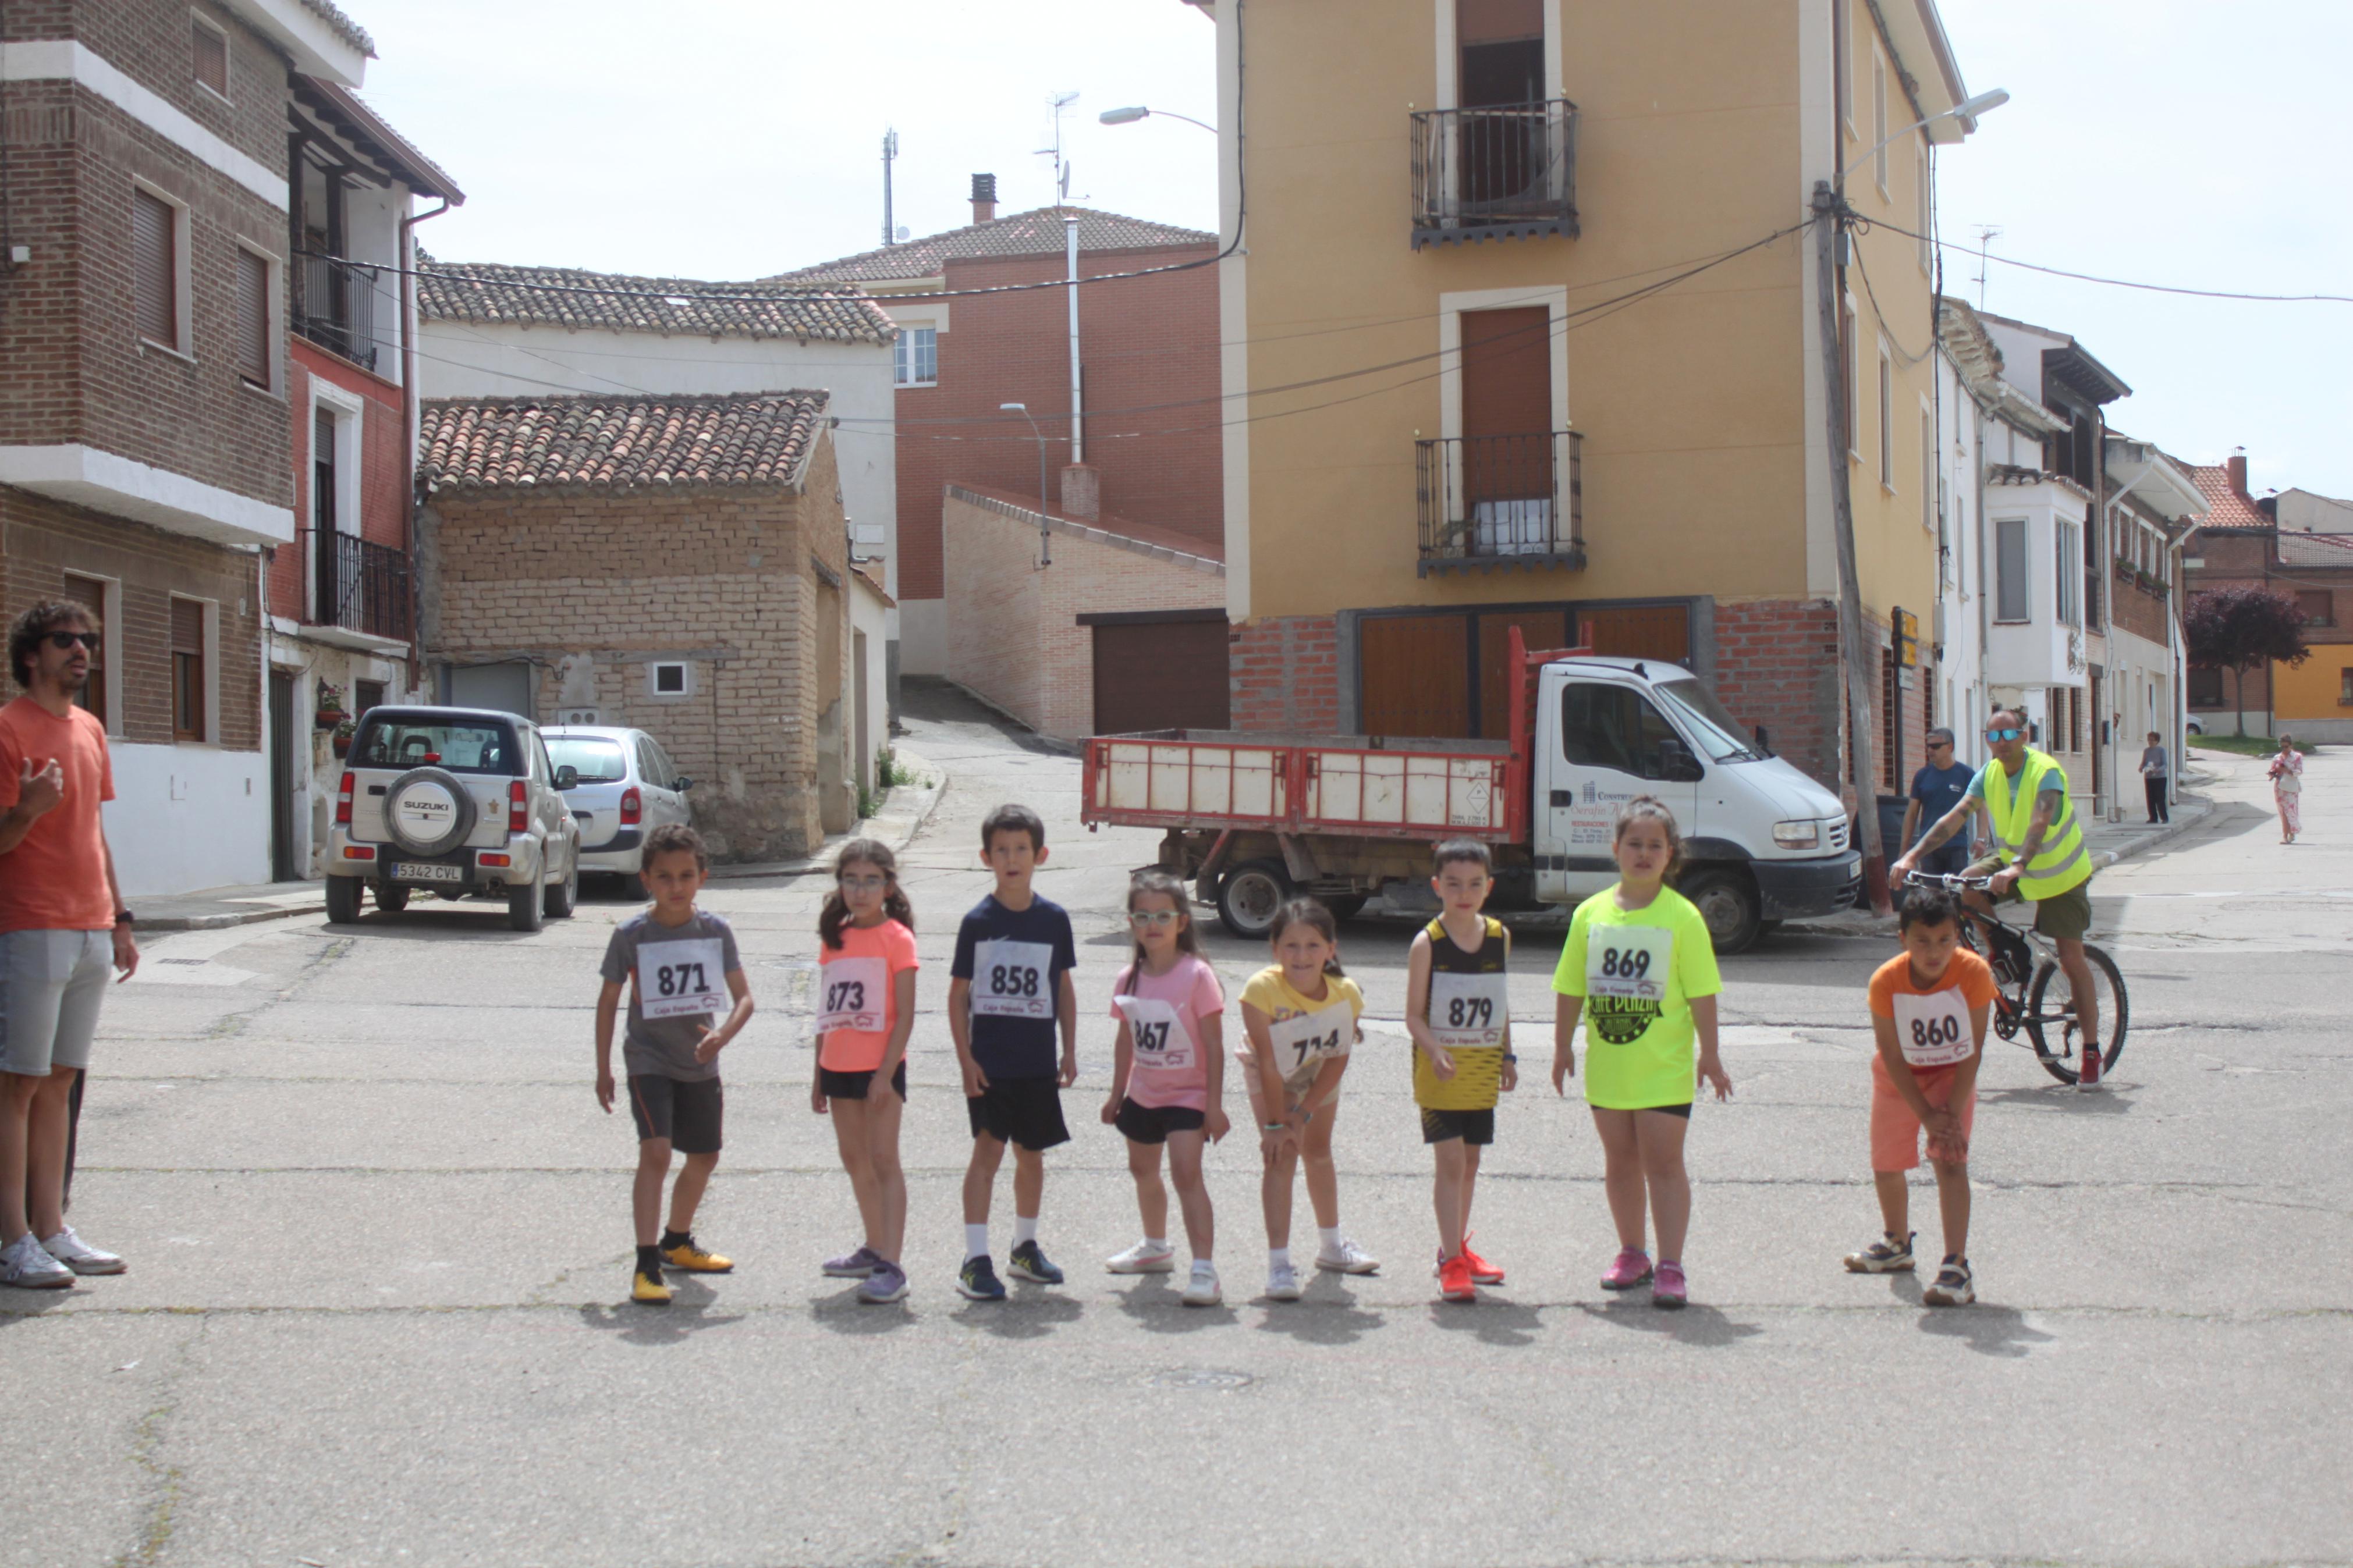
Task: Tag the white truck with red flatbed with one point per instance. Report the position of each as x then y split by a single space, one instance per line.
1253 820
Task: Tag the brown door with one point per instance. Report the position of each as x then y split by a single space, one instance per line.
1415 675
1160 675
1539 629
1638 631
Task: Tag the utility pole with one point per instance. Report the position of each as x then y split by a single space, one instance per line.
1830 211
889 152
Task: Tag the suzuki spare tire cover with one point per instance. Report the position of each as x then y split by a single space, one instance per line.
429 811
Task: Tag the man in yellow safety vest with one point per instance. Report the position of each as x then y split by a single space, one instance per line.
2039 854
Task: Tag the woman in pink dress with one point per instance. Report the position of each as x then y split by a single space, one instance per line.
2287 788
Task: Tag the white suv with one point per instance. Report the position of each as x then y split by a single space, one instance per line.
457 802
627 787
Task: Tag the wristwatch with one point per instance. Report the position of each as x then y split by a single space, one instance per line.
124 918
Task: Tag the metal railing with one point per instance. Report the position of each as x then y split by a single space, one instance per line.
1501 501
359 585
1494 172
334 307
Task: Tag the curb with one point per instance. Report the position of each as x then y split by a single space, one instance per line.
902 831
161 923
2171 830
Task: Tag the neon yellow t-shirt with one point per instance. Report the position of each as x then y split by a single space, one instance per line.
1638 970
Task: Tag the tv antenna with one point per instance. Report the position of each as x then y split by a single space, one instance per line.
1986 232
889 155
1061 106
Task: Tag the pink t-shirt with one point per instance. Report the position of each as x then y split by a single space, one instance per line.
857 994
1164 1014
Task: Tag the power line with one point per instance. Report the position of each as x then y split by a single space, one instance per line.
2128 282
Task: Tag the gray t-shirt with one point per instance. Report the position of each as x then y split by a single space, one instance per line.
681 979
2152 762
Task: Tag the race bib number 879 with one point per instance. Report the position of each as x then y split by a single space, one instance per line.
682 979
1013 979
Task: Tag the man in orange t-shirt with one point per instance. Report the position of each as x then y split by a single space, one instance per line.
1929 1004
61 924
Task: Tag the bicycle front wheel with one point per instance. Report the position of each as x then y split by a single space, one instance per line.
2055 1026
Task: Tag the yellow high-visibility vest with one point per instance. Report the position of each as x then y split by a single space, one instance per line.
2062 862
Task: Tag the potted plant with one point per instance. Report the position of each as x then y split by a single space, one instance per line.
331 707
341 738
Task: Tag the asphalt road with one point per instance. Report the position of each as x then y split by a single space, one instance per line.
380 1241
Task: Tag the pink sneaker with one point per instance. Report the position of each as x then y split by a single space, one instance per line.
1631 1269
1669 1289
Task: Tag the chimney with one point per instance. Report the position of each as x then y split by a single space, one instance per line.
984 197
1082 492
2237 465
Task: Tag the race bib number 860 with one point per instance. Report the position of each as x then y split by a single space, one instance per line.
1933 1030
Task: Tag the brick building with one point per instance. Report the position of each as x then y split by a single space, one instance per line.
1081 626
1149 373
675 564
2239 544
341 595
145 461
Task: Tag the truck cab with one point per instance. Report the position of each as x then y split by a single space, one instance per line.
1762 841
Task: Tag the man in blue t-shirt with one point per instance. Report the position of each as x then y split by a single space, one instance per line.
1009 995
1935 790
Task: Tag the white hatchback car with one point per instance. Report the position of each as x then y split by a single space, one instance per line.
627 787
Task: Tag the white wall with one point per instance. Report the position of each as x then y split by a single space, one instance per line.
1960 695
186 817
871 617
468 359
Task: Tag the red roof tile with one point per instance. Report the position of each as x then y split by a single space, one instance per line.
1035 233
497 442
2225 508
496 294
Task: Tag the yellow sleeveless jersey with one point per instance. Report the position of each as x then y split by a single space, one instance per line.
1468 1015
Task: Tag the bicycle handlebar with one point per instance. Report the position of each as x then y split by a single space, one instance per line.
1952 881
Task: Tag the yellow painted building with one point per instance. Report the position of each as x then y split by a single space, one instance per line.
1523 328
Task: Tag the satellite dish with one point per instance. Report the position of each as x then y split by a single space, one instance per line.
1066 182
902 232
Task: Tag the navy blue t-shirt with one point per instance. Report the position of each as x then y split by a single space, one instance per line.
1015 960
1938 790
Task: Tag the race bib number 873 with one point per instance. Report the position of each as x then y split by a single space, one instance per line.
682 979
851 994
1013 979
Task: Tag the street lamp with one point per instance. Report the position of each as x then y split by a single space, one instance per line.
1130 115
1967 112
1045 540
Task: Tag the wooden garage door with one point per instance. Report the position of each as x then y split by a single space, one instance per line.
1160 675
1416 675
1638 631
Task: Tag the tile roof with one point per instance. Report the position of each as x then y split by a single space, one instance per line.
616 442
499 294
2015 473
2316 549
1020 233
351 32
2226 508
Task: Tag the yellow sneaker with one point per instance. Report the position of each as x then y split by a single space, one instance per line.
690 1257
648 1290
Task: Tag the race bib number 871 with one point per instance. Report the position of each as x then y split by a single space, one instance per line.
1013 979
682 979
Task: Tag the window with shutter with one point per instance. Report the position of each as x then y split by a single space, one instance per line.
253 334
209 46
92 592
154 270
187 669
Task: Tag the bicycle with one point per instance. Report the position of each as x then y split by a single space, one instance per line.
2025 967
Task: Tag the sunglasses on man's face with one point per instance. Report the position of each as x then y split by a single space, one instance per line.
2005 734
1940 745
67 639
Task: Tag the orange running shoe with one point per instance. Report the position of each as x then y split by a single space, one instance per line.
1481 1271
1454 1279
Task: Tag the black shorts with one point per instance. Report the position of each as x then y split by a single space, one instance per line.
687 1113
1470 1126
854 1085
1024 1111
1153 1123
1682 1110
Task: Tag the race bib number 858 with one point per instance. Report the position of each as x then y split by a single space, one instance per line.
1013 979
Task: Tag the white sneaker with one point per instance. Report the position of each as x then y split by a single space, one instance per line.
1282 1283
1142 1259
80 1255
1346 1258
1202 1290
27 1265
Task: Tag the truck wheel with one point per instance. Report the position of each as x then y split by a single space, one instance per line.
1727 901
526 907
342 901
1250 895
1345 906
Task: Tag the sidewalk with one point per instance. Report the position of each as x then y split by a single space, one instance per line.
904 812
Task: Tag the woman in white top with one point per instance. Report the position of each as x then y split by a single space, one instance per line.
2287 788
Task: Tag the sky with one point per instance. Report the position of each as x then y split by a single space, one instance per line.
2177 141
